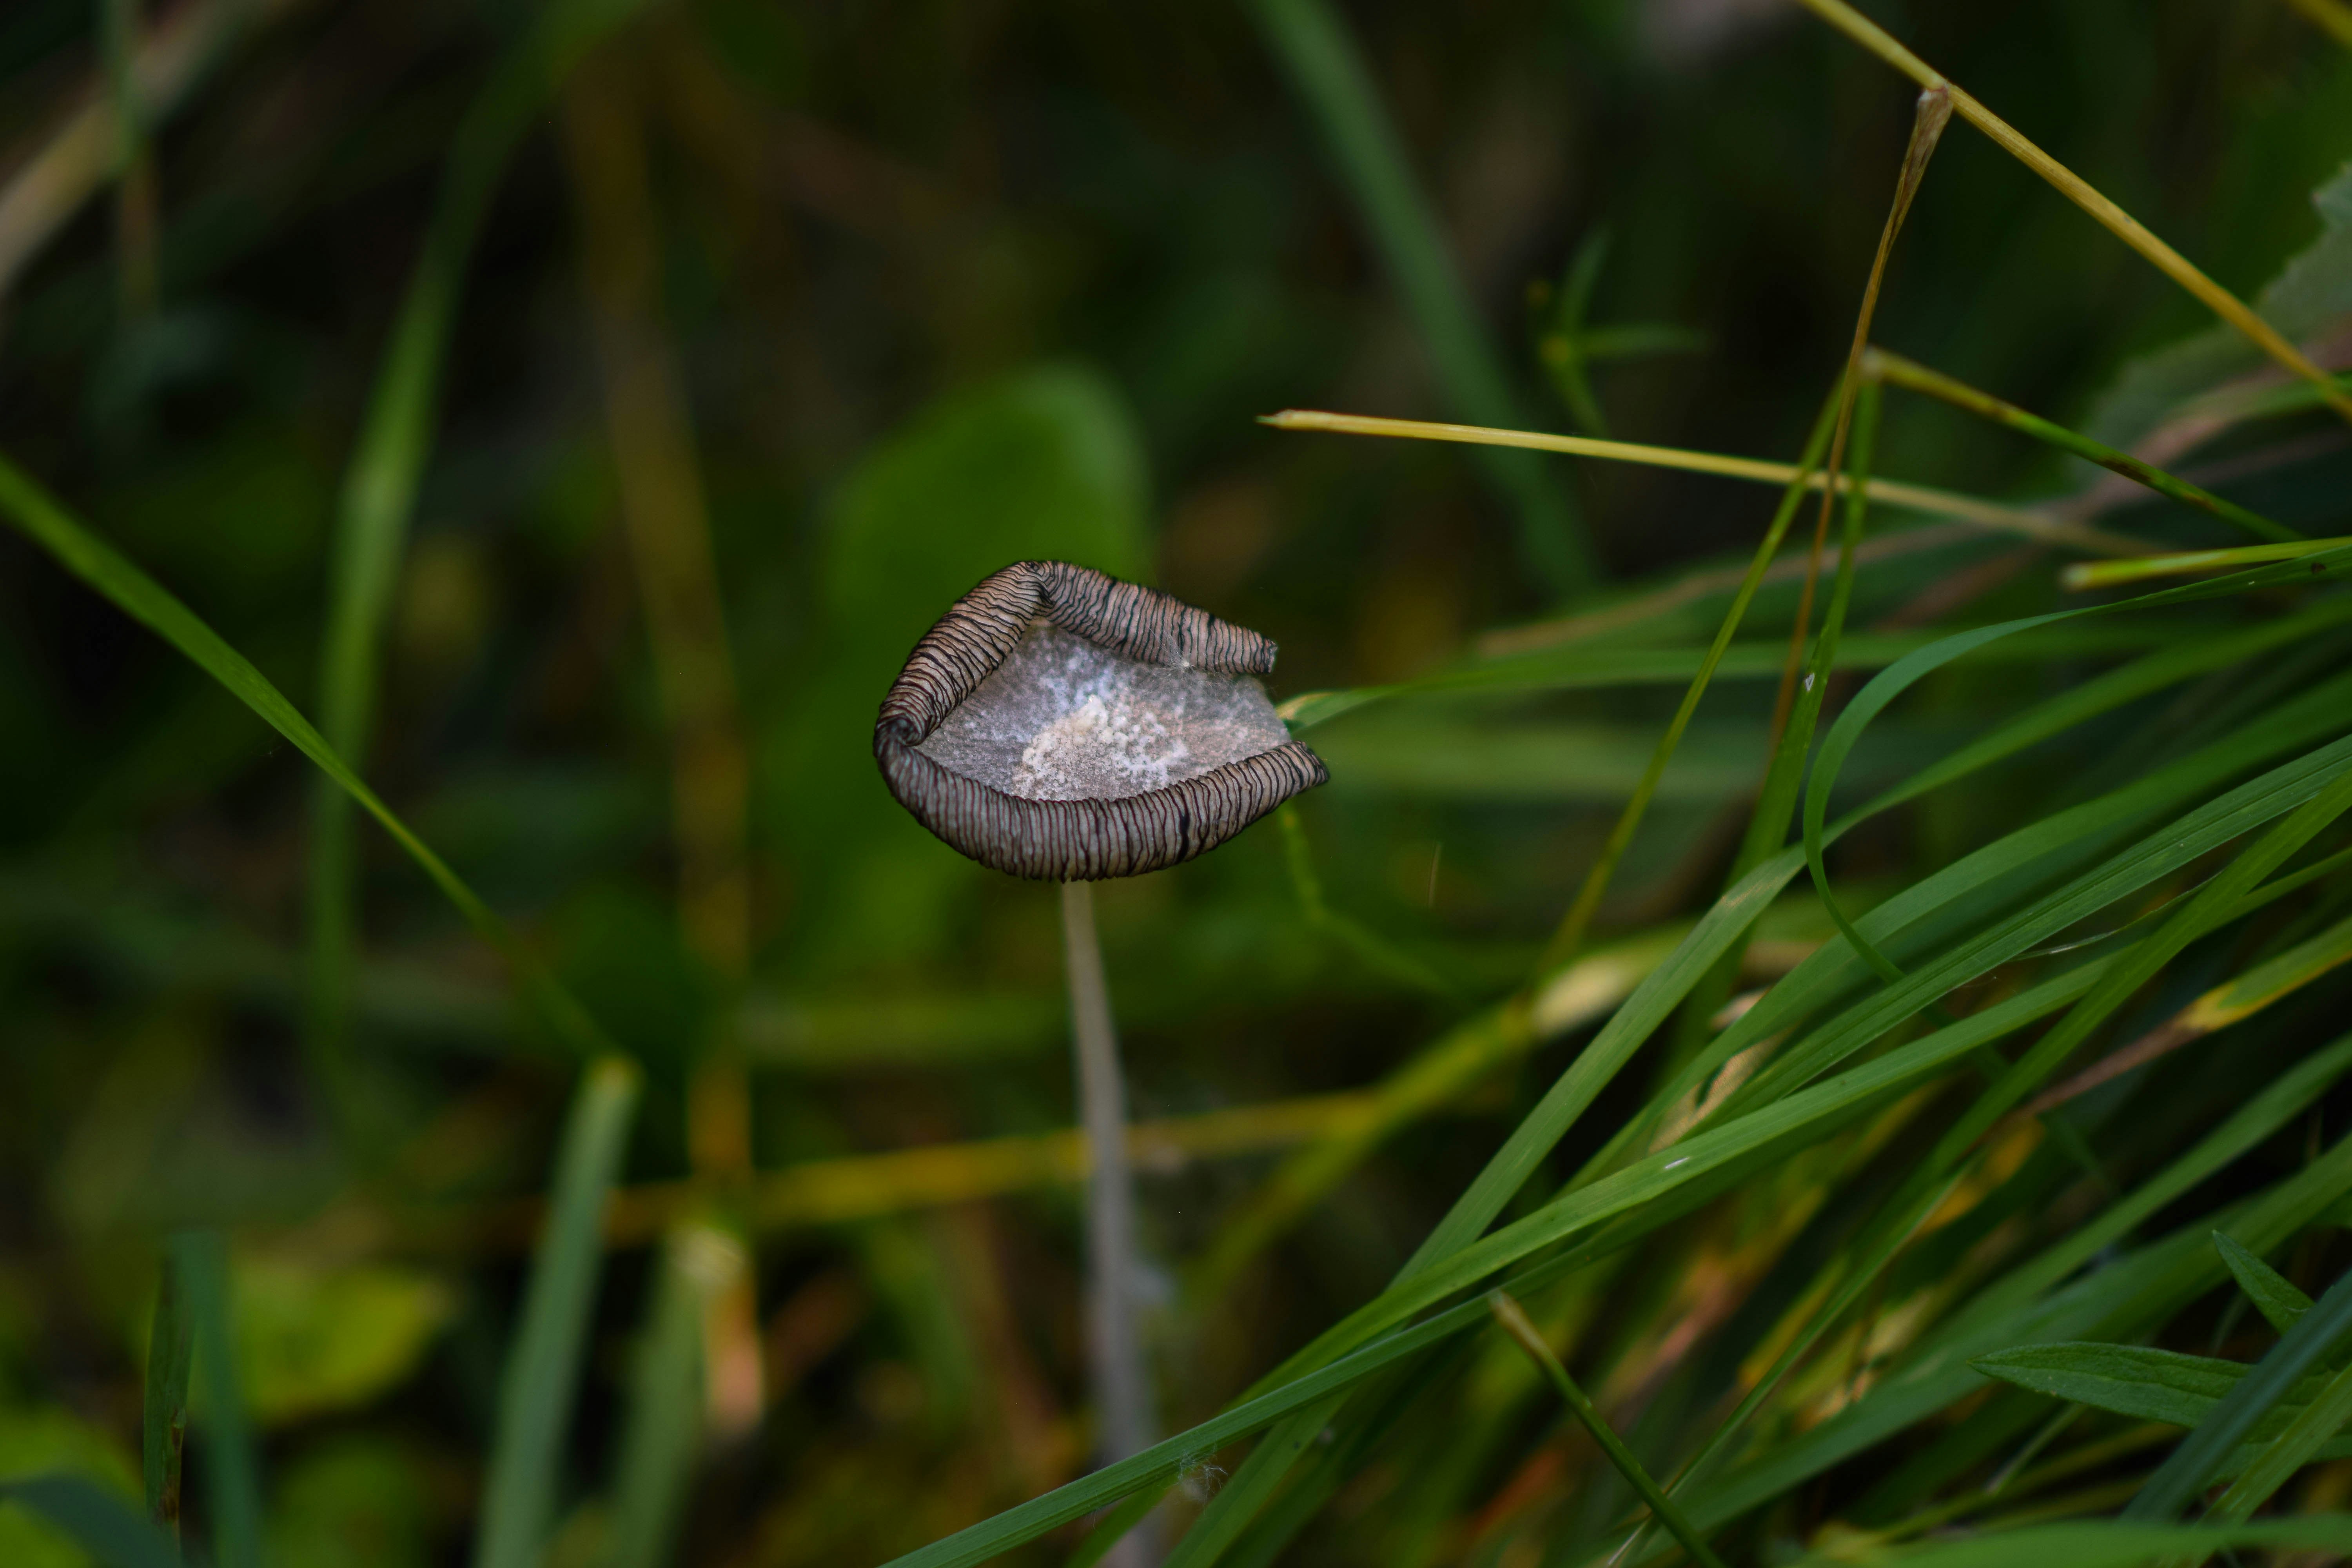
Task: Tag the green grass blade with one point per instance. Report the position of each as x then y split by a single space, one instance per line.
1515 1322
2137 1381
164 1415
38 516
1570 936
663 1425
2193 1464
2116 574
102 1524
2107 1544
2127 1299
1905 673
230 1468
1311 43
543 1366
378 489
1894 369
2278 1301
2305 1437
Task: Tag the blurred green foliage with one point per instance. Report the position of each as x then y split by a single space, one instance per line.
948 286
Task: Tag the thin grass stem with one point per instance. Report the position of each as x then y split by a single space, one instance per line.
1928 121
1568 937
1122 1386
2115 573
2074 188
2040 527
164 1410
1514 1319
230 1465
1896 370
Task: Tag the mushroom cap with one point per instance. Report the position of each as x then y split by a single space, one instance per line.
1111 834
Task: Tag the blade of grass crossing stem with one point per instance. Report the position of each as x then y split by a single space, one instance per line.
2272 1294
1529 1144
1286 1394
1928 121
1878 364
380 489
2321 1420
2299 1351
164 1415
543 1366
1905 672
2188 563
2074 188
1262 1473
99 1522
38 516
231 1469
2214 903
658 1446
1311 43
1514 1320
1569 935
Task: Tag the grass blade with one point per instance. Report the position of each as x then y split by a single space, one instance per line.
2302 1442
2041 528
2168 261
1514 1320
2278 1301
2201 1456
380 489
1311 43
164 1417
38 516
2115 573
663 1429
1893 368
230 1466
544 1363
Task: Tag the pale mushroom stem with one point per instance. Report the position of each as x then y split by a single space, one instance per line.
1122 1388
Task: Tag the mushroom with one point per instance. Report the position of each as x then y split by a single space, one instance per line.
1064 725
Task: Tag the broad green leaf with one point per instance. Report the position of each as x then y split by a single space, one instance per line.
2138 1381
1041 464
312 1341
102 1523
355 1500
51 1445
2278 1301
2242 1413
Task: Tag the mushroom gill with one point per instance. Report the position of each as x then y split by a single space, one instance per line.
1060 724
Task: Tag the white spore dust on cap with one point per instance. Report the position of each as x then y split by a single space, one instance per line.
1065 719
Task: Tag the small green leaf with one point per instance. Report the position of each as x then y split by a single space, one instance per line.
2137 1381
2279 1302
